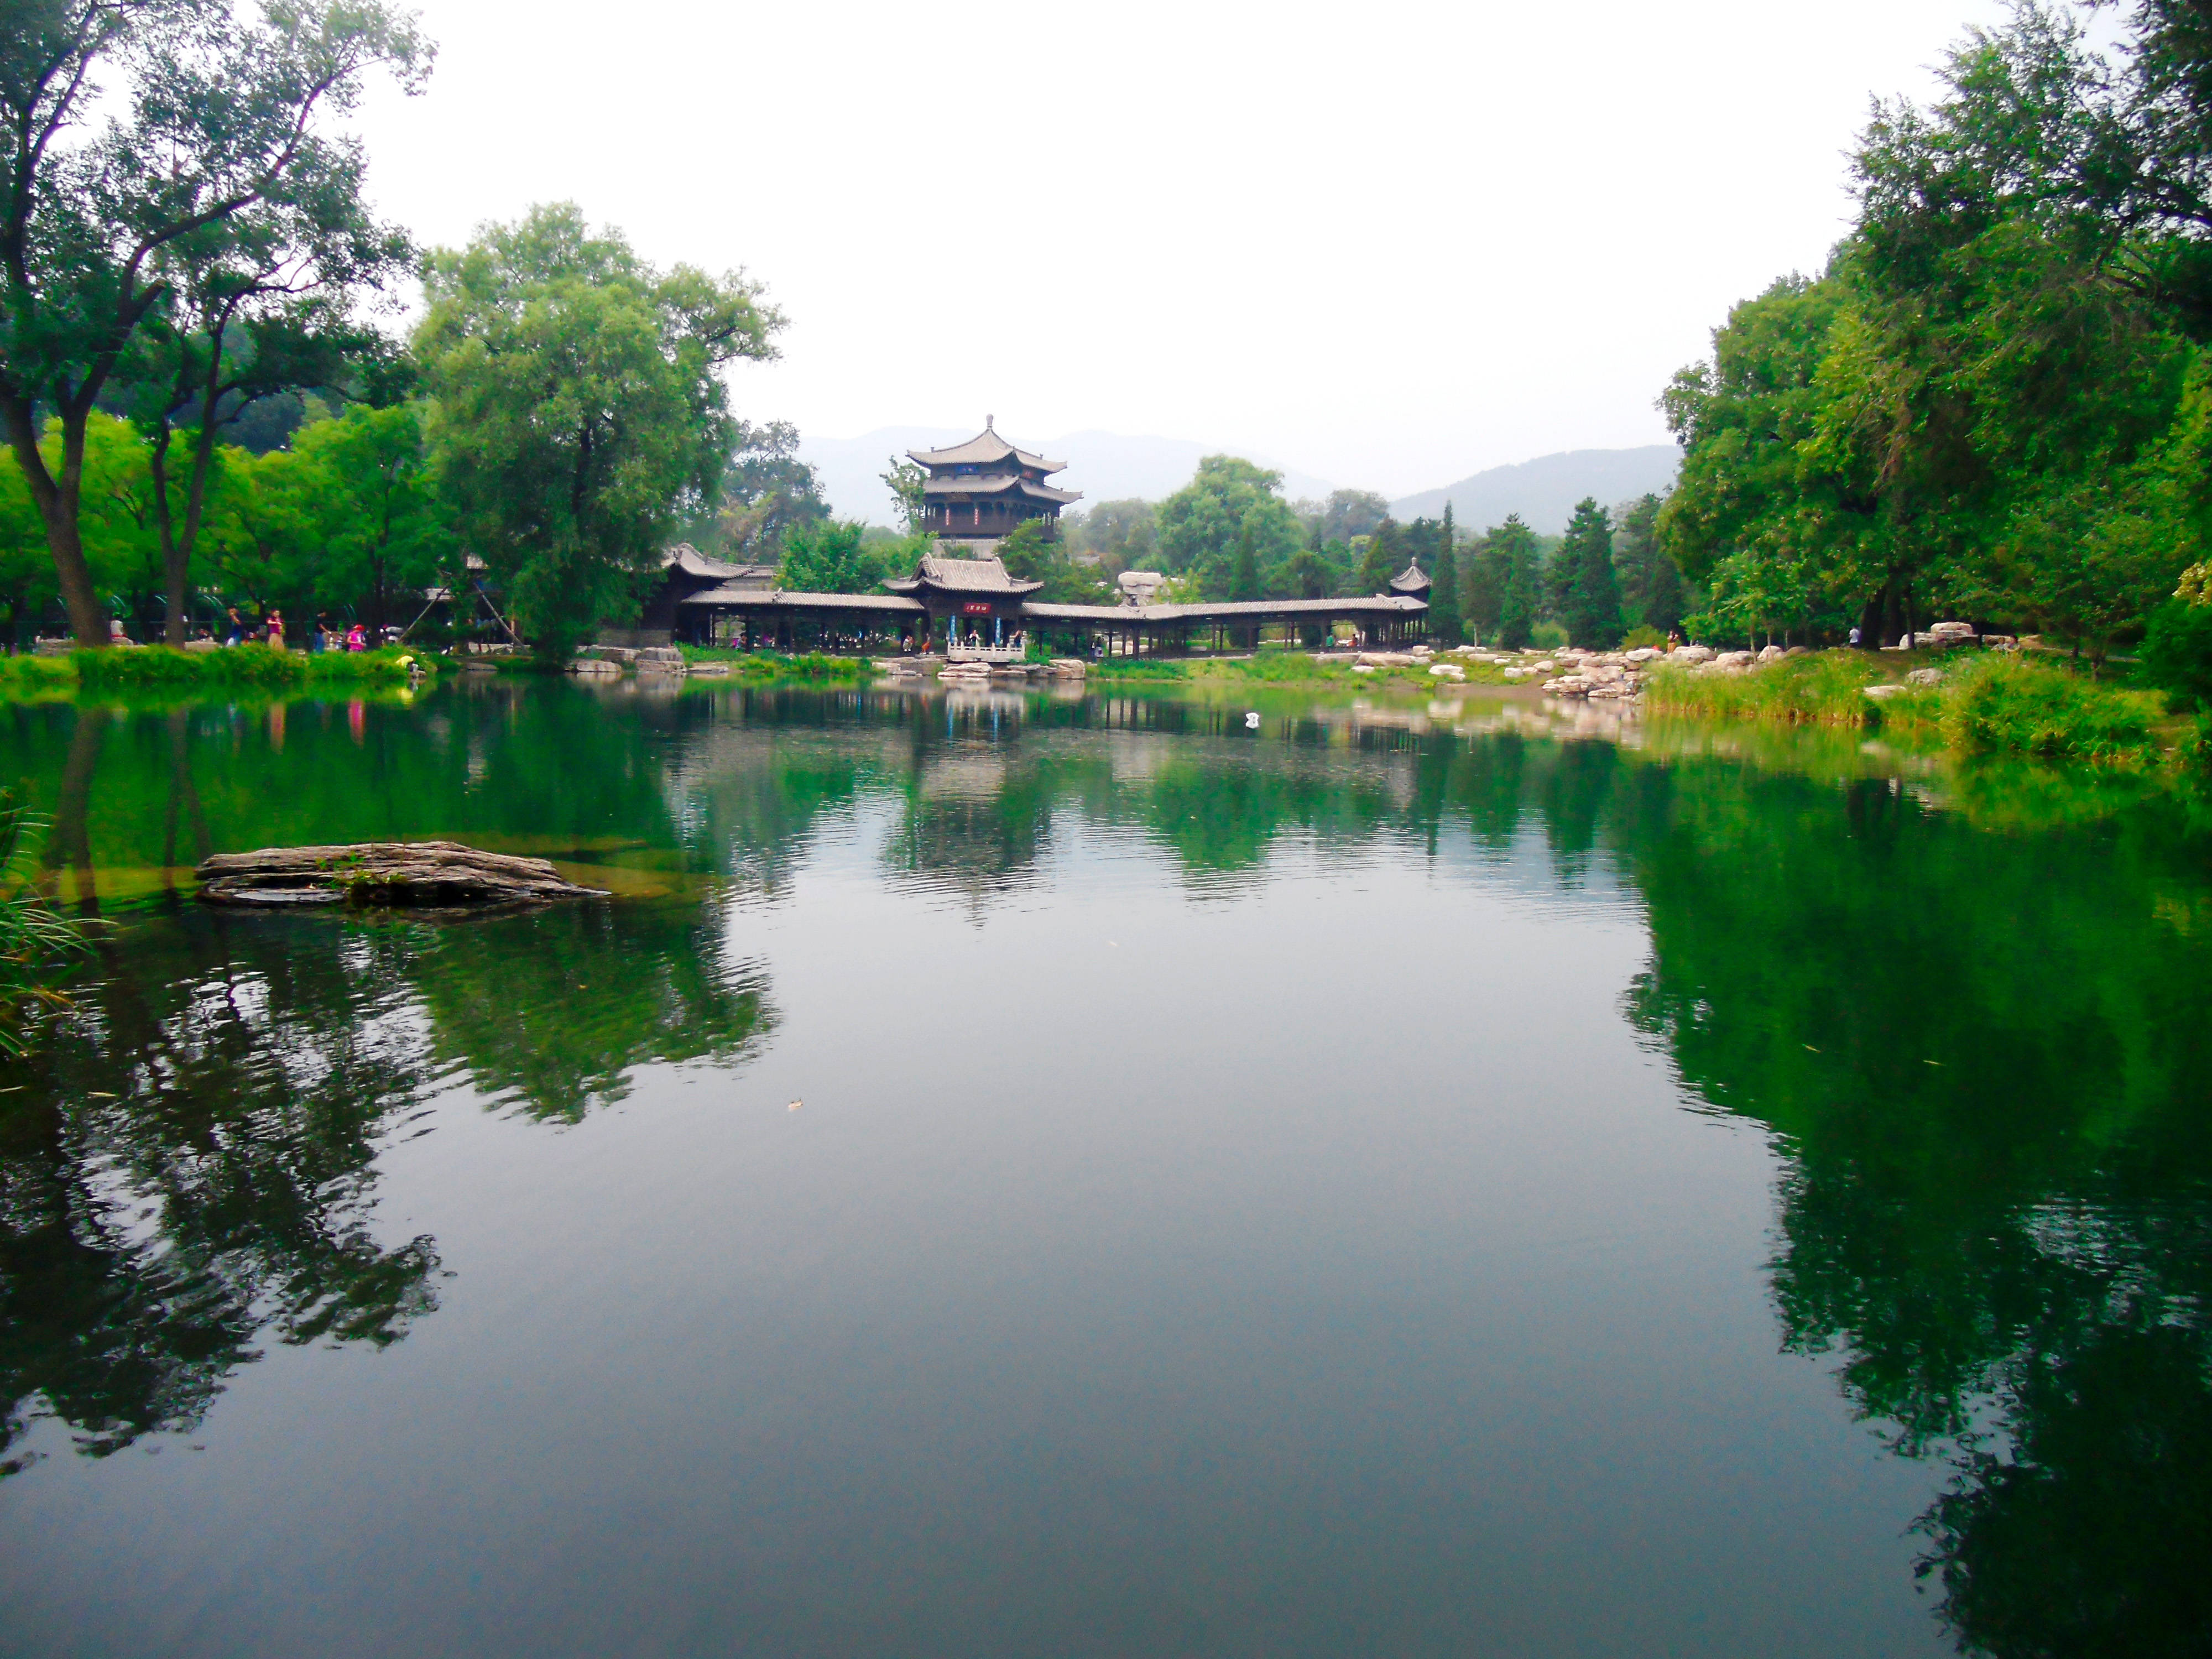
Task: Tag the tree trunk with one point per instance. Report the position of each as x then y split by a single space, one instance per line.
57 501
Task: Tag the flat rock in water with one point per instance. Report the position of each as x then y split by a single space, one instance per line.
441 875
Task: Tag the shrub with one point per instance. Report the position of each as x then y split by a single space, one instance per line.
1548 636
241 666
1641 638
2009 704
2176 655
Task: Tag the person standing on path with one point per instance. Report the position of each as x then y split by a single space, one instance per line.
276 631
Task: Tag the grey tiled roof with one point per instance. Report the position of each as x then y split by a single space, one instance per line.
1410 580
984 447
997 484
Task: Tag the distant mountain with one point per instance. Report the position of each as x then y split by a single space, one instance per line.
1105 466
1544 491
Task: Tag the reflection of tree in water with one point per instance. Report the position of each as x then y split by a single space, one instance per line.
1986 1059
189 1165
554 1010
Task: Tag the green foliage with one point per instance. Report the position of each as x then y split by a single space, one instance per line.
1503 592
361 487
1641 639
243 665
1549 636
1997 702
826 557
908 484
1031 553
1445 626
2007 703
1824 688
2178 655
1379 562
1591 614
1995 403
1200 526
37 943
1650 585
766 491
216 201
579 405
1118 535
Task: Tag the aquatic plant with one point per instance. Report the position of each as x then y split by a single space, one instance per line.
37 942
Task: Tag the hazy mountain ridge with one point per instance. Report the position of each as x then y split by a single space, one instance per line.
1106 466
1544 491
1110 466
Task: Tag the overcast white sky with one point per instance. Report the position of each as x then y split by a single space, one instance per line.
1388 244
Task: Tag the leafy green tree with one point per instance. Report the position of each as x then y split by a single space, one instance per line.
579 408
380 528
766 492
1592 612
1352 512
1118 535
1201 523
827 557
219 152
1031 553
1379 561
908 485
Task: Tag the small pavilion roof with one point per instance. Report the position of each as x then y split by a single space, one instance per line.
1000 484
983 449
689 561
764 599
986 575
1411 579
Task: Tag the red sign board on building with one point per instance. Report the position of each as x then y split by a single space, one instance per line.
971 608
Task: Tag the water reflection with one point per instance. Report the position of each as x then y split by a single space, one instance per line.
1986 1061
1967 1002
188 1167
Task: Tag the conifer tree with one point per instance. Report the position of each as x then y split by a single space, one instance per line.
1381 561
1244 581
1591 614
1513 546
1444 625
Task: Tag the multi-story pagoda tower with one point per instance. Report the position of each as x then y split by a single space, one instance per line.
984 488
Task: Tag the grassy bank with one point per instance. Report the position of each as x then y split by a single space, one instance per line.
239 668
762 667
1283 668
1987 703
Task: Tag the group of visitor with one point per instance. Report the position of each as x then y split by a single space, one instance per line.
269 631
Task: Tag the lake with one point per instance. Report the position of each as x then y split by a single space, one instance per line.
1018 1175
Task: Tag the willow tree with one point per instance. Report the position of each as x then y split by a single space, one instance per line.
216 146
578 408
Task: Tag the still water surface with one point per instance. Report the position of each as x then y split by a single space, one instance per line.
1016 1176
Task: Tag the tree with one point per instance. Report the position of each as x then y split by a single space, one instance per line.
1200 524
1445 626
1244 582
1032 553
579 408
380 527
1351 512
766 491
1513 546
218 147
1650 586
1592 612
1118 535
824 556
908 485
1380 561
